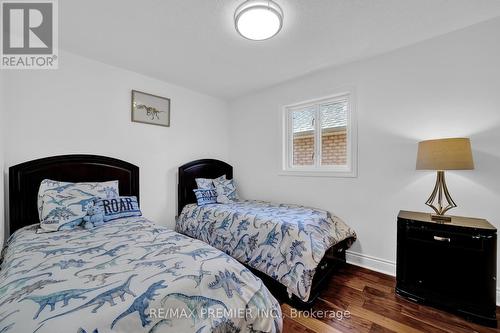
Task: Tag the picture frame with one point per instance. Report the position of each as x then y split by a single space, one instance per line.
150 109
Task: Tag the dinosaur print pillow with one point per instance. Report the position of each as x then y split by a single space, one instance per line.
101 190
63 205
119 207
208 184
65 212
226 191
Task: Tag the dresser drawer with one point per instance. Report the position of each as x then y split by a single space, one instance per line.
446 238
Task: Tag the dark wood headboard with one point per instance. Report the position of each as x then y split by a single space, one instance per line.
25 179
206 168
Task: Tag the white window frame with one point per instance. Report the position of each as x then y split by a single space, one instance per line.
318 170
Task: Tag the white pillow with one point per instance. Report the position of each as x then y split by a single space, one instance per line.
226 191
208 184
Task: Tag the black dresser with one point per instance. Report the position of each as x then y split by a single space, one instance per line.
448 265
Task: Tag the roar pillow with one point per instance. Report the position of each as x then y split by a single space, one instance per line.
119 207
205 196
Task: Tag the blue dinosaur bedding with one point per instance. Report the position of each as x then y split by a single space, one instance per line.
286 242
129 275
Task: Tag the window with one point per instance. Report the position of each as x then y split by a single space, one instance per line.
320 137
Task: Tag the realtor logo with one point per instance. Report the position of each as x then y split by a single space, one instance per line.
29 34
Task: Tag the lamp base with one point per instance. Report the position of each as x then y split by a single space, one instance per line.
437 198
441 218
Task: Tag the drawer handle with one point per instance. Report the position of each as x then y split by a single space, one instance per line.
442 239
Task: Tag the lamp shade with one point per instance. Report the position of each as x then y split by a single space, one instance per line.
445 154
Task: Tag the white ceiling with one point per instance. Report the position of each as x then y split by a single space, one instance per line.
193 43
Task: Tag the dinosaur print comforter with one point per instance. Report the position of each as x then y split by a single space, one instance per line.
129 275
286 242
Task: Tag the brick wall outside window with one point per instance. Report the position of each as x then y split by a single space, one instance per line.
334 149
303 150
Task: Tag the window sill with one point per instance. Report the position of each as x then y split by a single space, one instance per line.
319 173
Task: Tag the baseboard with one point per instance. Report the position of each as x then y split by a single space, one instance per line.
381 265
371 263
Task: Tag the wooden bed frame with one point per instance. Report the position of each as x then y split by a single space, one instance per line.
207 168
25 179
210 168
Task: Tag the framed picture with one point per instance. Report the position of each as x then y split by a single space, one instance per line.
150 109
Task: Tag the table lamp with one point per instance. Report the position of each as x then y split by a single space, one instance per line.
441 155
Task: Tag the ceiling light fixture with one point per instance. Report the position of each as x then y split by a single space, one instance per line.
258 19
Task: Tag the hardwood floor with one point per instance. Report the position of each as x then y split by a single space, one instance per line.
374 307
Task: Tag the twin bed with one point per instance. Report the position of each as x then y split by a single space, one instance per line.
294 249
128 275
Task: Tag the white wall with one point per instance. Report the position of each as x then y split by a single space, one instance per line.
2 152
445 87
84 107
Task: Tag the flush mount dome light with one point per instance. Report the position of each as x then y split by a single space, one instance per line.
258 19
